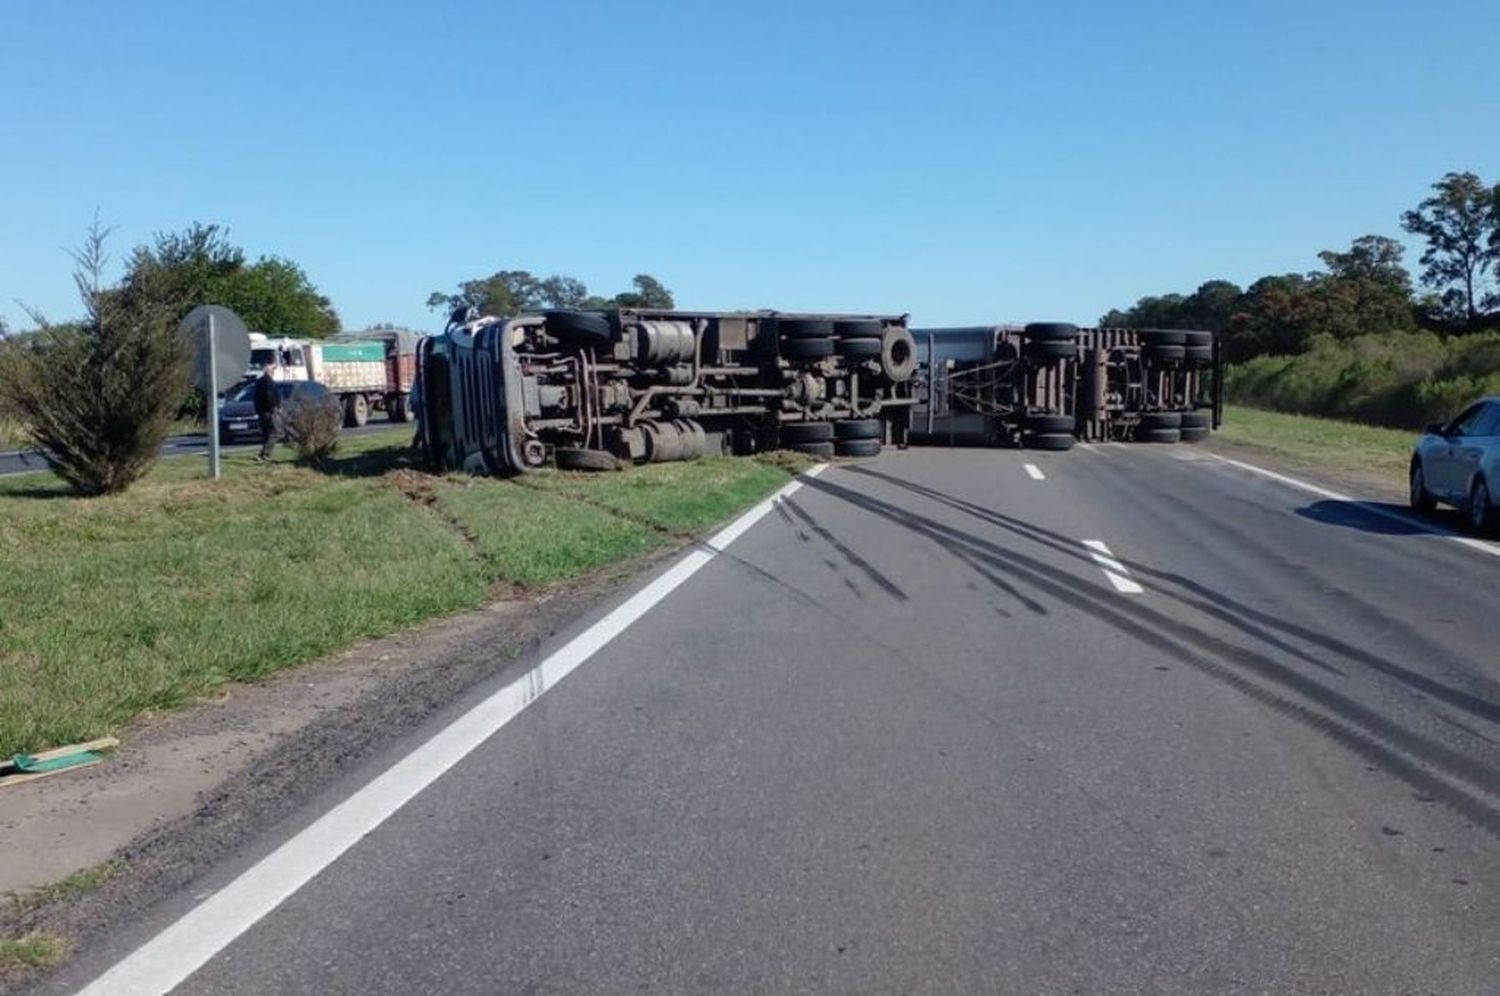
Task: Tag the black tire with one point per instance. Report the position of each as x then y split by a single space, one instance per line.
1163 353
1057 442
1043 423
1158 435
806 349
1477 511
804 328
1162 337
858 349
1050 351
1198 339
581 328
1051 332
1195 420
574 459
396 408
898 354
806 432
356 410
1161 420
858 328
823 450
1194 434
857 448
1199 355
1418 496
859 428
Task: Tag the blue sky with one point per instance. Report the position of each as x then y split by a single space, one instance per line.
965 162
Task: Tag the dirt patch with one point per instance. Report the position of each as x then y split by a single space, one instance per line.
185 789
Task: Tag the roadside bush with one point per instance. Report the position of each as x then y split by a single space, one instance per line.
97 398
311 425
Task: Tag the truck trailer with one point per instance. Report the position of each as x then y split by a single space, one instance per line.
369 370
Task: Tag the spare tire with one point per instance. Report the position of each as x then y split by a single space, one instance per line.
898 354
1161 420
804 328
806 432
1050 350
1163 353
576 459
1196 434
1043 422
858 328
1195 420
1162 337
1050 331
824 450
857 448
1158 435
806 349
1056 441
581 328
859 428
858 349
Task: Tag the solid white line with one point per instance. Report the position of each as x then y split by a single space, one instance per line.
1117 573
1035 472
172 955
1481 546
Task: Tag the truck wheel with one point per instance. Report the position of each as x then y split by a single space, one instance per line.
806 432
1195 420
1199 355
1205 339
1056 441
857 328
898 354
804 328
824 450
857 448
1194 434
576 459
858 349
580 328
356 410
1048 350
859 428
1043 423
1162 337
1158 435
806 349
1161 420
1051 332
1164 353
395 408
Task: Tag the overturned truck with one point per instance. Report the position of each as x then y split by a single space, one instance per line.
595 390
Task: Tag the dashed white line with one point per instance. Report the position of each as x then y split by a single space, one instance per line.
1117 573
1035 472
171 956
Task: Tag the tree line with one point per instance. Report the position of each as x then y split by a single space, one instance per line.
512 292
1363 290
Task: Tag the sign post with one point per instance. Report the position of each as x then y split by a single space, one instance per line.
221 354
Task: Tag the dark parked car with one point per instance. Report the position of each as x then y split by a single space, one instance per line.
237 420
1458 463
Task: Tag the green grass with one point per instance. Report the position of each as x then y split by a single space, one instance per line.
86 880
1343 447
30 952
122 605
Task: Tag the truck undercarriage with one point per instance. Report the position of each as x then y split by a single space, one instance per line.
595 390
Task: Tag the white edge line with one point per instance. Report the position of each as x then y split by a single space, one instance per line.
1035 472
1407 520
163 962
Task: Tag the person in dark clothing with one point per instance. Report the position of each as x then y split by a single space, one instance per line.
266 403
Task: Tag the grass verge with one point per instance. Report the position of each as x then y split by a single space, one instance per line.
1344 450
30 952
119 606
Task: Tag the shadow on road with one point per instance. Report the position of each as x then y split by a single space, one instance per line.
1356 727
1379 517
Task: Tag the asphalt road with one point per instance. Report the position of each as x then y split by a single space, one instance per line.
907 735
22 462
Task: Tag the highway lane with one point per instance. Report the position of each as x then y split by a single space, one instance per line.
25 462
908 735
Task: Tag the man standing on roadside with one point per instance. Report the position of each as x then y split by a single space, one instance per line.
266 403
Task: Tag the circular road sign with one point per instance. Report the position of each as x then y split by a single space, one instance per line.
231 345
